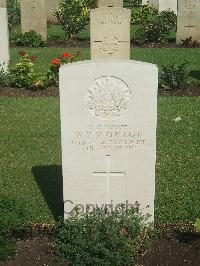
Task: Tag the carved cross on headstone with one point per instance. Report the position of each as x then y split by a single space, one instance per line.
108 174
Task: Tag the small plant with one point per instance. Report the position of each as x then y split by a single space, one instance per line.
30 39
155 30
14 16
72 16
174 76
13 219
22 73
189 43
52 76
197 225
100 238
143 14
4 77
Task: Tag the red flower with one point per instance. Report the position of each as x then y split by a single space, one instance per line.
78 52
32 58
55 61
66 54
22 53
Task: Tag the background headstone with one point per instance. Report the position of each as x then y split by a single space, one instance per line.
168 5
108 118
145 2
34 16
110 33
162 5
51 6
188 21
110 3
4 36
154 3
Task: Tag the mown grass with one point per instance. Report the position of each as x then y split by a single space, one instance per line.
30 157
159 56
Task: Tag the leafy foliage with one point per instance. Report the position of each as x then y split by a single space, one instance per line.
156 28
71 15
13 219
4 77
99 238
14 16
31 39
197 225
189 43
143 13
174 76
22 73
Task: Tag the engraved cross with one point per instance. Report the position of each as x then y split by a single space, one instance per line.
108 174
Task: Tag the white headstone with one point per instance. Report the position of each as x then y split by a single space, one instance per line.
188 22
168 5
110 33
108 121
145 2
163 5
34 17
4 36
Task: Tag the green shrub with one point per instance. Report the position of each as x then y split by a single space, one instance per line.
71 15
197 225
132 3
174 75
4 77
22 73
143 14
157 29
30 39
189 43
14 15
99 238
13 219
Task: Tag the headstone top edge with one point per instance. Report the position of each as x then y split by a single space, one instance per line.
105 61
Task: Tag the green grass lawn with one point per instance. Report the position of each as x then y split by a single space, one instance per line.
157 56
30 157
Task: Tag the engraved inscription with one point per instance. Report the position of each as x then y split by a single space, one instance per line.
108 138
110 44
108 97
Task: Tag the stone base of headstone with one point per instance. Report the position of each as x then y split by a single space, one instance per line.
108 121
4 37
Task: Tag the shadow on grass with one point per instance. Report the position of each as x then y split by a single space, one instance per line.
195 74
50 182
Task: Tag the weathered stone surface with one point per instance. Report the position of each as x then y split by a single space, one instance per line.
34 17
144 2
110 3
154 3
168 5
2 3
188 22
110 33
51 6
108 117
4 36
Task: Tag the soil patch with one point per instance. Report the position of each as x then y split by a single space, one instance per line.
54 91
177 245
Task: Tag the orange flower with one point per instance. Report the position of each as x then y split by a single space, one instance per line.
22 53
32 58
66 54
55 61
